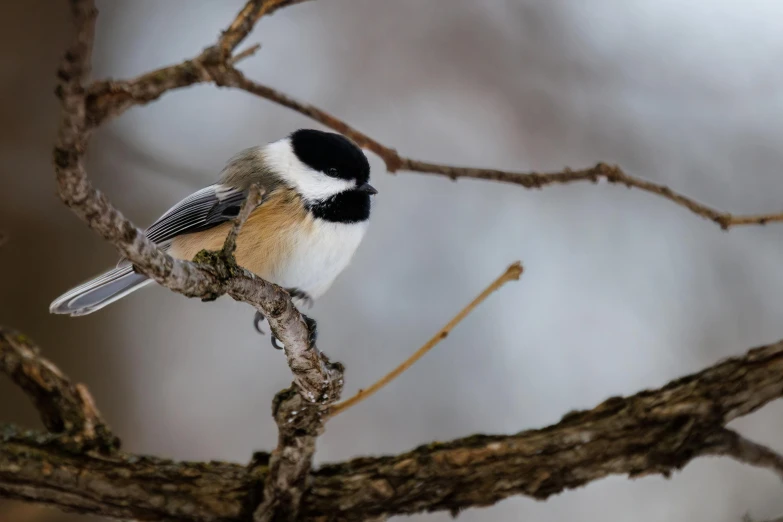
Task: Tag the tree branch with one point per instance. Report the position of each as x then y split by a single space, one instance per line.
251 202
652 432
532 180
512 273
748 518
244 22
299 425
109 98
65 408
744 450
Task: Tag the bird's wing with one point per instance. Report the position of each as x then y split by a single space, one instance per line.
201 210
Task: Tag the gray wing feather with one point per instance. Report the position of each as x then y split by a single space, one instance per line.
206 208
99 292
218 203
201 210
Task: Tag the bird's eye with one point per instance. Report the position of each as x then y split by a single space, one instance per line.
332 172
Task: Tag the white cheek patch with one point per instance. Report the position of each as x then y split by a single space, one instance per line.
311 184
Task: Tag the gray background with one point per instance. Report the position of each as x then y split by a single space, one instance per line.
623 290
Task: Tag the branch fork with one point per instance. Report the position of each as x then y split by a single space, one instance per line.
67 410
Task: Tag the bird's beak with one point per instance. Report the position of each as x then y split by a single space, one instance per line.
366 187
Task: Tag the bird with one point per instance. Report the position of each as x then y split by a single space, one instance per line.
313 214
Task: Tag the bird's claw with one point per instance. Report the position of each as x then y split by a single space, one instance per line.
295 293
312 326
312 334
257 319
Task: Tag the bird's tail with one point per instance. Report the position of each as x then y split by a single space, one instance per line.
99 292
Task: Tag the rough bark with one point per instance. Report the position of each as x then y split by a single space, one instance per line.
653 432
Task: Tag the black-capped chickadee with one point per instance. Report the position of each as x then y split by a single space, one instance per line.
313 214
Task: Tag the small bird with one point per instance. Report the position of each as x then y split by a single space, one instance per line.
314 212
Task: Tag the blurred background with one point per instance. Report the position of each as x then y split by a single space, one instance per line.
623 290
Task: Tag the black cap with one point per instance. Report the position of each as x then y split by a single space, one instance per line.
330 153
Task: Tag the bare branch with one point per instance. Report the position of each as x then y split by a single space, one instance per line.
748 518
299 425
252 201
65 408
244 22
655 431
512 273
111 98
250 51
749 452
531 180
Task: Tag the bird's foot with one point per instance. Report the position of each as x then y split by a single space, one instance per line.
295 293
312 328
312 334
257 319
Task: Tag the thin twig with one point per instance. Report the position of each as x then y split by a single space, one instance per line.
512 273
246 19
531 180
111 98
250 51
253 199
752 453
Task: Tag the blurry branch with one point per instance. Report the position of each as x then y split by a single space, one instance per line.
748 518
17 512
531 180
65 408
653 432
110 98
250 51
512 273
753 453
244 22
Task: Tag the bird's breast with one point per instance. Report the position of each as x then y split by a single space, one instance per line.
319 254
